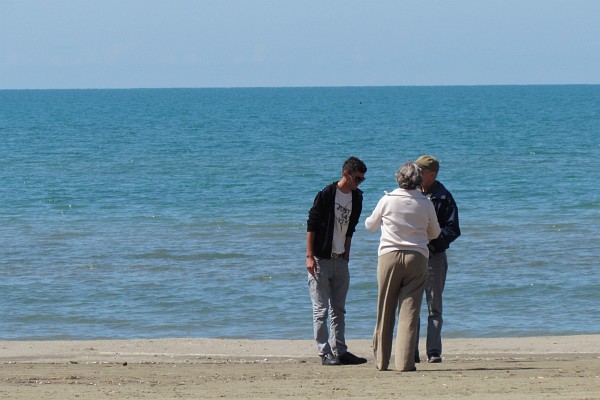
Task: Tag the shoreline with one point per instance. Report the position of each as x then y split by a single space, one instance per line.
144 350
559 367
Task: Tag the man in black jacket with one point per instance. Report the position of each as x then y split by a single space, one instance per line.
331 223
447 215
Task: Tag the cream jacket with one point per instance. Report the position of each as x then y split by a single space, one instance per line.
407 219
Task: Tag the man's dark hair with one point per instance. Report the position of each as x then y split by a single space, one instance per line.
353 165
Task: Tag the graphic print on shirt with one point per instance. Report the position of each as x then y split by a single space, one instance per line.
343 208
342 215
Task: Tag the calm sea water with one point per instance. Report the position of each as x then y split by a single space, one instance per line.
181 213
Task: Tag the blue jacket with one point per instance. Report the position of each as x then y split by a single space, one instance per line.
447 215
321 218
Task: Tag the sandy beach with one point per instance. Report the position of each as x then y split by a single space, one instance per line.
564 367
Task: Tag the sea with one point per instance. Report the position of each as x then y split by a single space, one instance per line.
163 213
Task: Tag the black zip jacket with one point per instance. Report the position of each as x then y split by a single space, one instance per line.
447 215
321 219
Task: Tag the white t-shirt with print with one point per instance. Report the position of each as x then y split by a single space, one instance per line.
343 208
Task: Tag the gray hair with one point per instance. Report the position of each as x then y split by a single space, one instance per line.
409 176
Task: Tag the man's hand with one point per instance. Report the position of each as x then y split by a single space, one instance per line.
311 266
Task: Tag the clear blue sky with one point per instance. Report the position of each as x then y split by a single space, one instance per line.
241 43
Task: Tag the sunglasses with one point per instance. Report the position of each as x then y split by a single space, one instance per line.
358 179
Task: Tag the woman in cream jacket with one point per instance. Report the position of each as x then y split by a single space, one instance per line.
408 222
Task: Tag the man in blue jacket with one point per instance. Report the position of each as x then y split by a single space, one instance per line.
331 223
447 215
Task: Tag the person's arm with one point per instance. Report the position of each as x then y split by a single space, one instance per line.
373 222
314 216
448 221
347 246
311 264
433 228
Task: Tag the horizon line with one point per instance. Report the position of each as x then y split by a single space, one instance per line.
301 87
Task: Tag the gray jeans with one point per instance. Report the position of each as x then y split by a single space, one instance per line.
436 280
328 295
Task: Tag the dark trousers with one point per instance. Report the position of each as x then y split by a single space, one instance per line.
436 280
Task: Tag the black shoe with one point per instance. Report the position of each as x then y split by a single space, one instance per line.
417 358
329 359
350 359
435 359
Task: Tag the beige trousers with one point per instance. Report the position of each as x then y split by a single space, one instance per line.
401 276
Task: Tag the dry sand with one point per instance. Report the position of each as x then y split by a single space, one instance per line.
564 367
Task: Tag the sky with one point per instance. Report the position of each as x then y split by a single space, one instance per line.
60 44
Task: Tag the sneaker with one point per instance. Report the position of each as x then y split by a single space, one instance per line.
329 359
435 359
350 359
